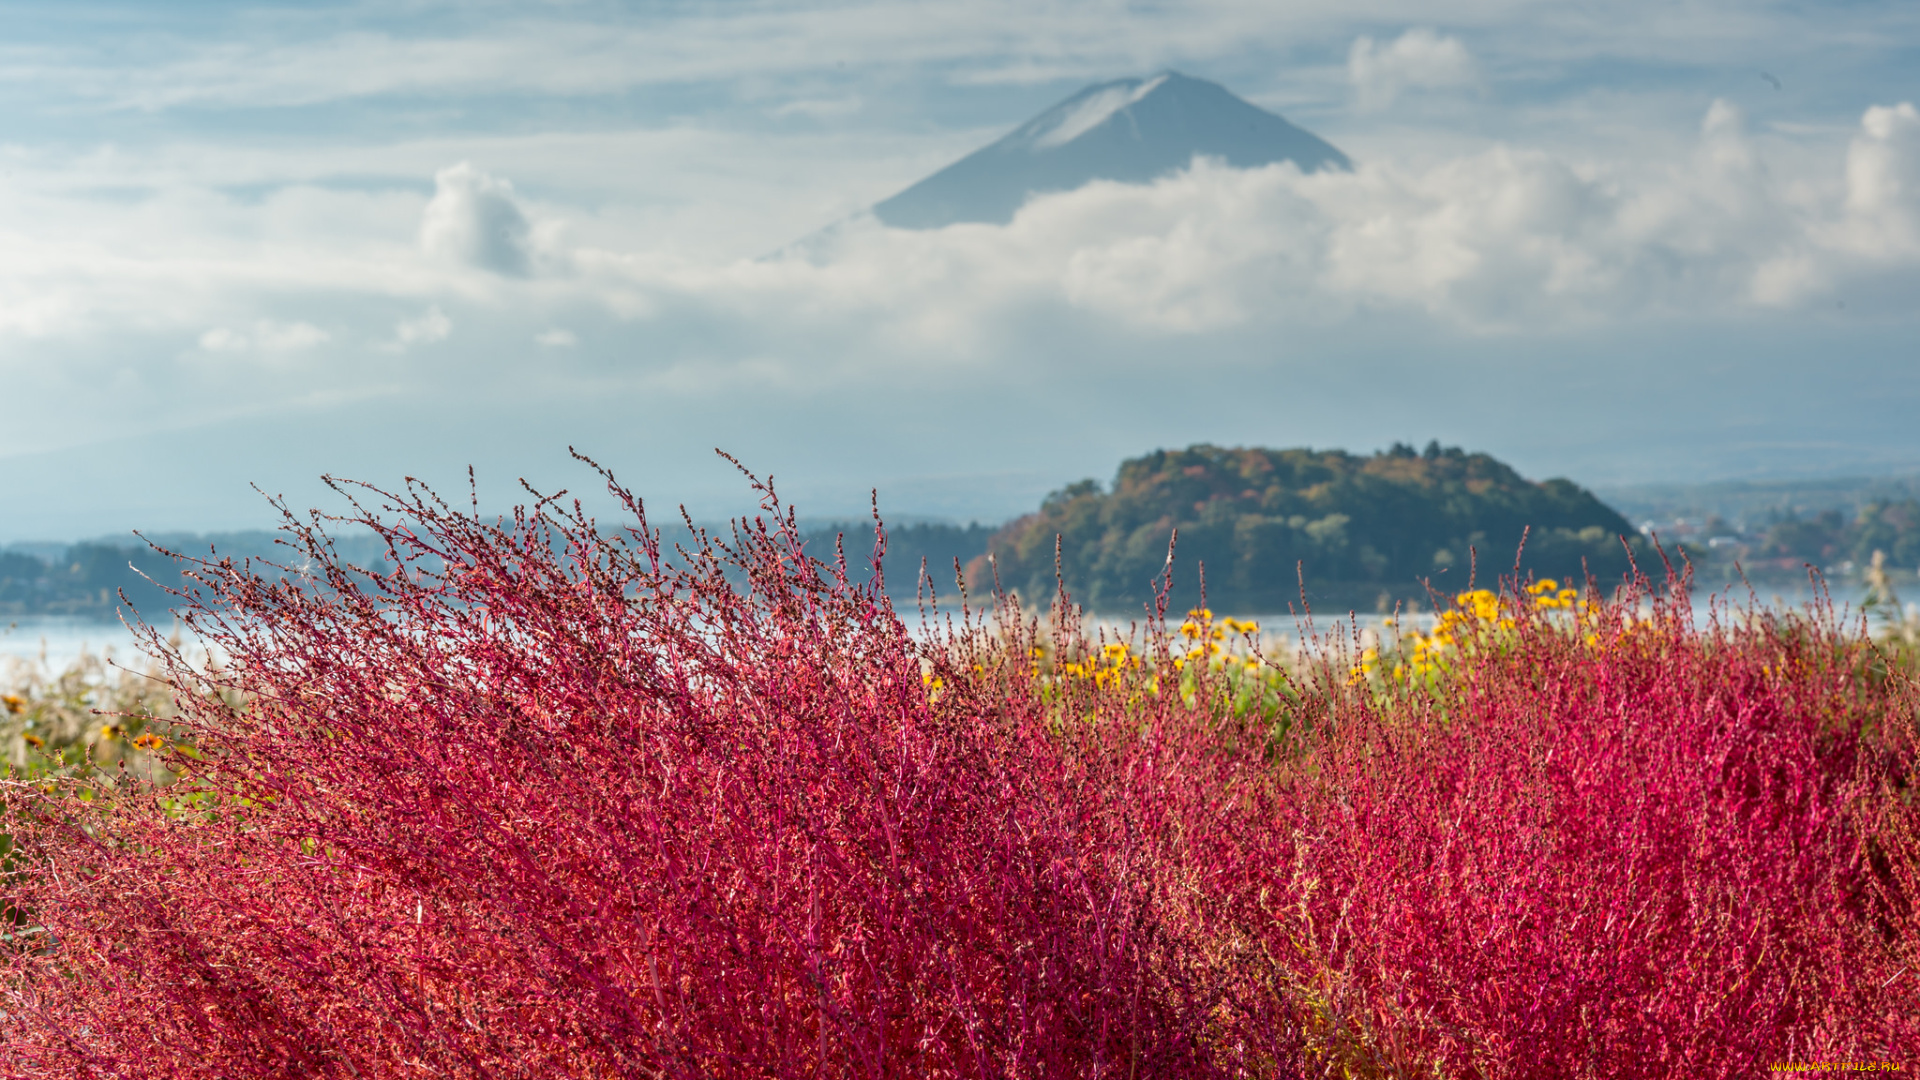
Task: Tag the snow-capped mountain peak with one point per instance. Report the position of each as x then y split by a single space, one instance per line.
1130 130
1068 121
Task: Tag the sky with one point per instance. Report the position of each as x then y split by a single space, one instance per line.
244 245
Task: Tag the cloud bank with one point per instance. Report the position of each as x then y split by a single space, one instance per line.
472 321
1501 241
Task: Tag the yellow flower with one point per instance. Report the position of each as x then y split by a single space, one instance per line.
34 740
1478 604
14 702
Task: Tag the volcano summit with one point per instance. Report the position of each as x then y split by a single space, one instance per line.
1130 130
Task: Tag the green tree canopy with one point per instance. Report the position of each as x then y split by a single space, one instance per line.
1356 528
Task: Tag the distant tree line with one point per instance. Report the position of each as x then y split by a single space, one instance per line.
90 579
85 579
938 546
1384 527
1892 526
1361 530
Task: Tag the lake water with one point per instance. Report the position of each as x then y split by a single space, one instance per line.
1282 633
62 640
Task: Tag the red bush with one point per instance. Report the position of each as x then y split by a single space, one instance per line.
1646 852
543 801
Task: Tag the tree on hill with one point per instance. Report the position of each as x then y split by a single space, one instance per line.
1358 529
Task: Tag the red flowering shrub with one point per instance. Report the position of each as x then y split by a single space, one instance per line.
546 801
1637 850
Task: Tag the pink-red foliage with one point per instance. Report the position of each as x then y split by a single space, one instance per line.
1653 851
546 801
537 804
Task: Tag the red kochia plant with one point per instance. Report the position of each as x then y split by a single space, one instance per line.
543 800
547 802
1622 846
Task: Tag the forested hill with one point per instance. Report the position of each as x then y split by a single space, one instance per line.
1363 530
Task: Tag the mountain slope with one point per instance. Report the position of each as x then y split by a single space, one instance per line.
1130 130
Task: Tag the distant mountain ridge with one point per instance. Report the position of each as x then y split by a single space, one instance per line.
1129 130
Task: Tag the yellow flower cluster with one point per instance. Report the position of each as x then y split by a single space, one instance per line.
1474 614
1106 666
1199 624
1549 596
1208 635
1204 643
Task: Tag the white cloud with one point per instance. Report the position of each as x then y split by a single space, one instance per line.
1210 262
222 340
819 108
283 337
1419 59
430 326
266 336
343 54
474 219
1501 240
1883 184
574 53
1504 238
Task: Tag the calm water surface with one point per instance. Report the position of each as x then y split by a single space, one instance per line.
59 641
